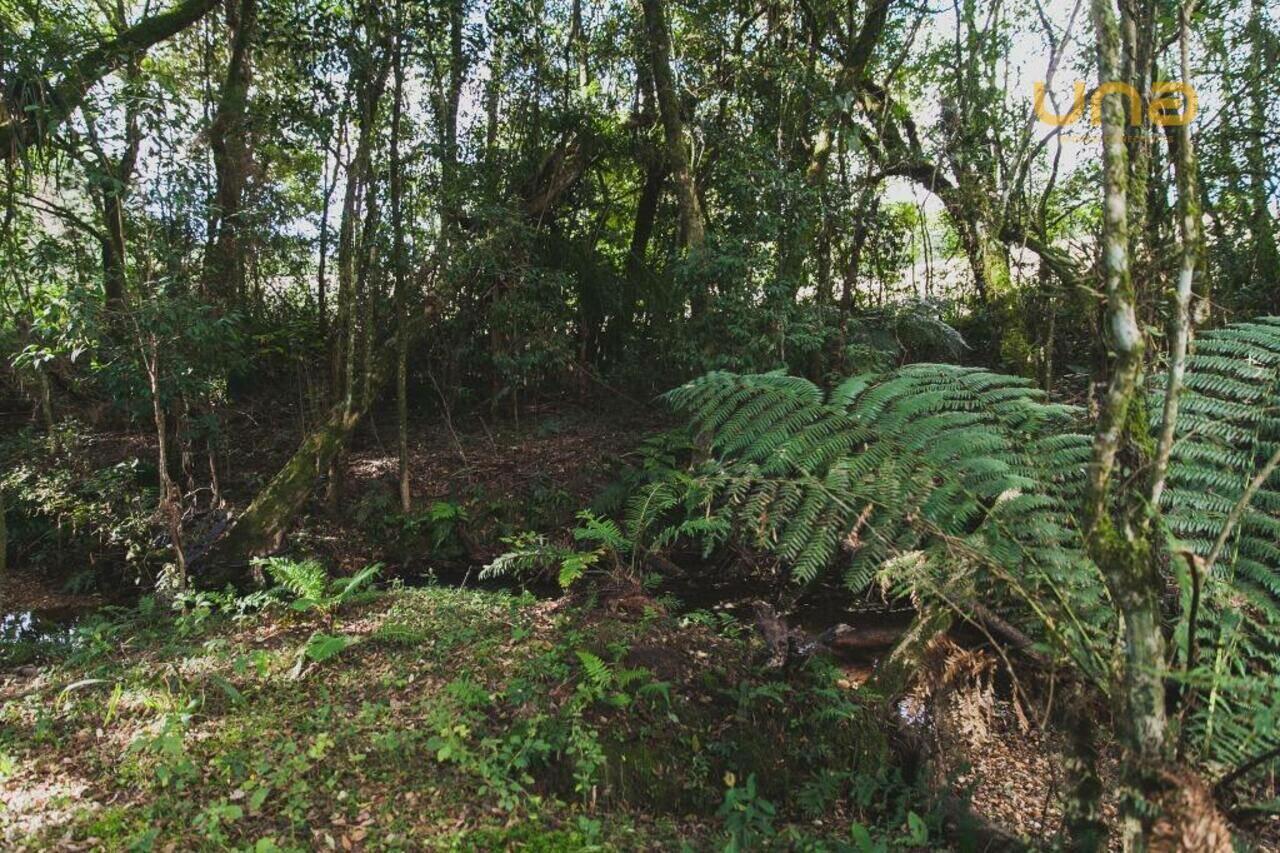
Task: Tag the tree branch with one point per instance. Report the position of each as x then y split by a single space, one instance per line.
38 113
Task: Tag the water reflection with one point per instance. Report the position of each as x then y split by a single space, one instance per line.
38 626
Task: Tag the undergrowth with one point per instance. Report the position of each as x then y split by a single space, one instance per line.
451 718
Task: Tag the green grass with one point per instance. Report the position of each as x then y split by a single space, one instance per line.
454 720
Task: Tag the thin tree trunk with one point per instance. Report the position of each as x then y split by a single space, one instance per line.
492 103
368 291
322 281
1192 234
170 505
110 195
448 120
4 540
1117 526
371 84
398 262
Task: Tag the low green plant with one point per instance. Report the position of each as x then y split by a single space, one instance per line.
531 556
312 590
747 816
441 523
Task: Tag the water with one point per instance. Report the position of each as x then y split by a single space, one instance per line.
49 626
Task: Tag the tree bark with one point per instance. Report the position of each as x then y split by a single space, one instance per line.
322 282
370 83
693 227
447 117
1192 236
398 261
110 184
232 158
170 503
1117 521
261 528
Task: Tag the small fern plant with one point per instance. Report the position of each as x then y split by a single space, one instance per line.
308 583
599 545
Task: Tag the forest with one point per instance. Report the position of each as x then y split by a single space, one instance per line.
825 425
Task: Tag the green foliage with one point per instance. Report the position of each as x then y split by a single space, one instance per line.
748 817
64 505
308 583
307 580
949 482
1228 426
323 647
971 474
531 555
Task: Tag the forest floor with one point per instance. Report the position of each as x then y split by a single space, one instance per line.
449 718
500 475
477 719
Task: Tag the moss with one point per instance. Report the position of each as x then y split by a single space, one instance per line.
262 526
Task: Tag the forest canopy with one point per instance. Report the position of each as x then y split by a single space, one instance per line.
697 318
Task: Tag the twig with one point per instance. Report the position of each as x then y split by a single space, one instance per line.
1237 511
1220 787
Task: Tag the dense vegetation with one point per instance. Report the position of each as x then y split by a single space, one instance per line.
708 423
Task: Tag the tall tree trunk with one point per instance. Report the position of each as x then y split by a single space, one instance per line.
232 158
655 176
693 226
330 185
398 262
579 47
1191 232
448 122
111 181
1117 520
370 83
170 500
113 250
492 108
368 294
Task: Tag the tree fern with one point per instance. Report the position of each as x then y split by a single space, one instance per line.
1229 425
958 463
977 478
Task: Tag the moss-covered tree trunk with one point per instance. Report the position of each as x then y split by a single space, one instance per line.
261 528
693 226
1118 524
